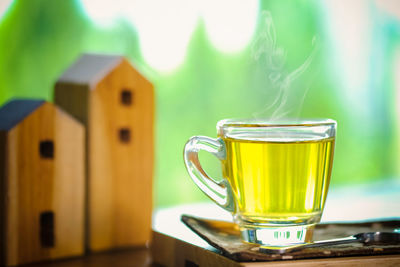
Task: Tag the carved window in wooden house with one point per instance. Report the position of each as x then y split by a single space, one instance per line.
46 149
46 231
126 97
125 135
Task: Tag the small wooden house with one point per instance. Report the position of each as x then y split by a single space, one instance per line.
116 104
42 181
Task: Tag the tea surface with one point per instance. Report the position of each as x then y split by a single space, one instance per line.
279 180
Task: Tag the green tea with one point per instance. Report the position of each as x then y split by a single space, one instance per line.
279 180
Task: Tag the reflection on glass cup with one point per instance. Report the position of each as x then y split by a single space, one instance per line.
275 176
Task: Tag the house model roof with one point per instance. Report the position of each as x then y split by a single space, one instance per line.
89 69
15 111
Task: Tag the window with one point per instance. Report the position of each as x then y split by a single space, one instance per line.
126 97
125 135
46 149
46 231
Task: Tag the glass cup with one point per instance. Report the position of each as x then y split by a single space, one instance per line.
275 176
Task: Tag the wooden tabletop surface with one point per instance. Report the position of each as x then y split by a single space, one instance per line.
139 257
384 205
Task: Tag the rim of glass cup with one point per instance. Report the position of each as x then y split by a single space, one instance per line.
239 123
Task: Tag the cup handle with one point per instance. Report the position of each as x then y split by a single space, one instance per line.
219 192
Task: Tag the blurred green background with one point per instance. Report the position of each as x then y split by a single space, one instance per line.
211 60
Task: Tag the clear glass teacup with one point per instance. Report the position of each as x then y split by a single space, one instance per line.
275 175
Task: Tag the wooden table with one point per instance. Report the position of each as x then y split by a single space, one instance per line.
138 257
174 244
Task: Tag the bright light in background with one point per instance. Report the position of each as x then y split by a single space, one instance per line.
396 75
390 6
165 29
104 12
349 25
4 4
230 24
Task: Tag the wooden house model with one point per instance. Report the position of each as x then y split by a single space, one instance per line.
42 180
116 104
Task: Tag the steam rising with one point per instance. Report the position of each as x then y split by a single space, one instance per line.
265 51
